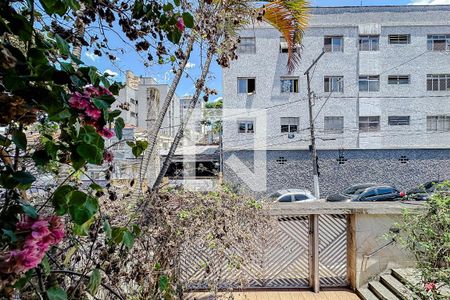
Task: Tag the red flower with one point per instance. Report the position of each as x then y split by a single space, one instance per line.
107 133
108 156
430 286
93 112
180 24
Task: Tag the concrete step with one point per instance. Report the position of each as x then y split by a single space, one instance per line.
397 288
381 291
411 277
366 294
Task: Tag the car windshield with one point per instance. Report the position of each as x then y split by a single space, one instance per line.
355 189
275 195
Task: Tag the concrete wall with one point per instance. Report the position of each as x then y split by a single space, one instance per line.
267 65
370 231
378 166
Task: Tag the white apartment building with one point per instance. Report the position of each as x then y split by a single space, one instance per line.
381 97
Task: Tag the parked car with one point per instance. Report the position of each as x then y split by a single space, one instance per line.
423 191
293 195
378 193
350 192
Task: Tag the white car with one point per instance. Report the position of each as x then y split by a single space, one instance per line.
293 195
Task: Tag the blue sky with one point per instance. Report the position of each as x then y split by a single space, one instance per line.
131 61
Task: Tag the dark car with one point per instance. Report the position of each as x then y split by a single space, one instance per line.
350 192
379 193
423 191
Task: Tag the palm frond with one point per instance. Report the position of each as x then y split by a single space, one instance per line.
290 17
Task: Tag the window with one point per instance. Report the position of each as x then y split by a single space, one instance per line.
300 197
133 114
398 79
438 123
385 190
369 43
289 85
439 42
438 82
246 85
369 83
334 124
289 124
133 101
333 84
399 39
247 45
398 120
246 127
369 124
284 46
285 198
333 44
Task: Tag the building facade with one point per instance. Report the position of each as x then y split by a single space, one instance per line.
381 98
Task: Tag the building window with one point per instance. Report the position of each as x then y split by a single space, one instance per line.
399 79
438 82
284 46
289 85
399 39
439 42
333 84
133 114
369 83
438 123
369 124
289 124
333 44
369 43
133 101
246 85
398 120
246 127
334 124
247 45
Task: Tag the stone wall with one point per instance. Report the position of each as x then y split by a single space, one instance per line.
403 168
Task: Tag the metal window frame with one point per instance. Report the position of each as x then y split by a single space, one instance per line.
395 120
333 130
396 79
439 78
369 78
331 47
371 44
438 123
295 84
394 39
369 122
432 38
246 85
289 124
328 87
247 48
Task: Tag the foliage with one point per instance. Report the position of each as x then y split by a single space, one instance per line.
57 113
427 235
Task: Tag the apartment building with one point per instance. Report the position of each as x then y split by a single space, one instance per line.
381 100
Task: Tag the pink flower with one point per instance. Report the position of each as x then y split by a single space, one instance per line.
25 224
40 229
79 101
107 133
108 156
430 286
180 24
93 112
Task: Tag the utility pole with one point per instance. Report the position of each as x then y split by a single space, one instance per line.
313 149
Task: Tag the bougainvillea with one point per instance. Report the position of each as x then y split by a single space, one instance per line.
37 236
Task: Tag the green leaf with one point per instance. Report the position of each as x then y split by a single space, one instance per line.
62 45
10 234
90 153
89 135
4 141
93 75
188 20
94 282
29 210
107 229
60 199
74 58
23 280
83 229
19 138
68 255
23 177
128 239
163 283
177 2
56 293
46 266
168 7
117 234
139 148
114 114
96 187
119 125
82 207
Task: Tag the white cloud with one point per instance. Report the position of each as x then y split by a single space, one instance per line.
429 2
110 73
187 95
91 55
190 65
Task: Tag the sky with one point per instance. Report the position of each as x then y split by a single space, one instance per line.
131 61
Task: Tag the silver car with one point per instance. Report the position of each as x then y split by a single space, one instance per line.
293 195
